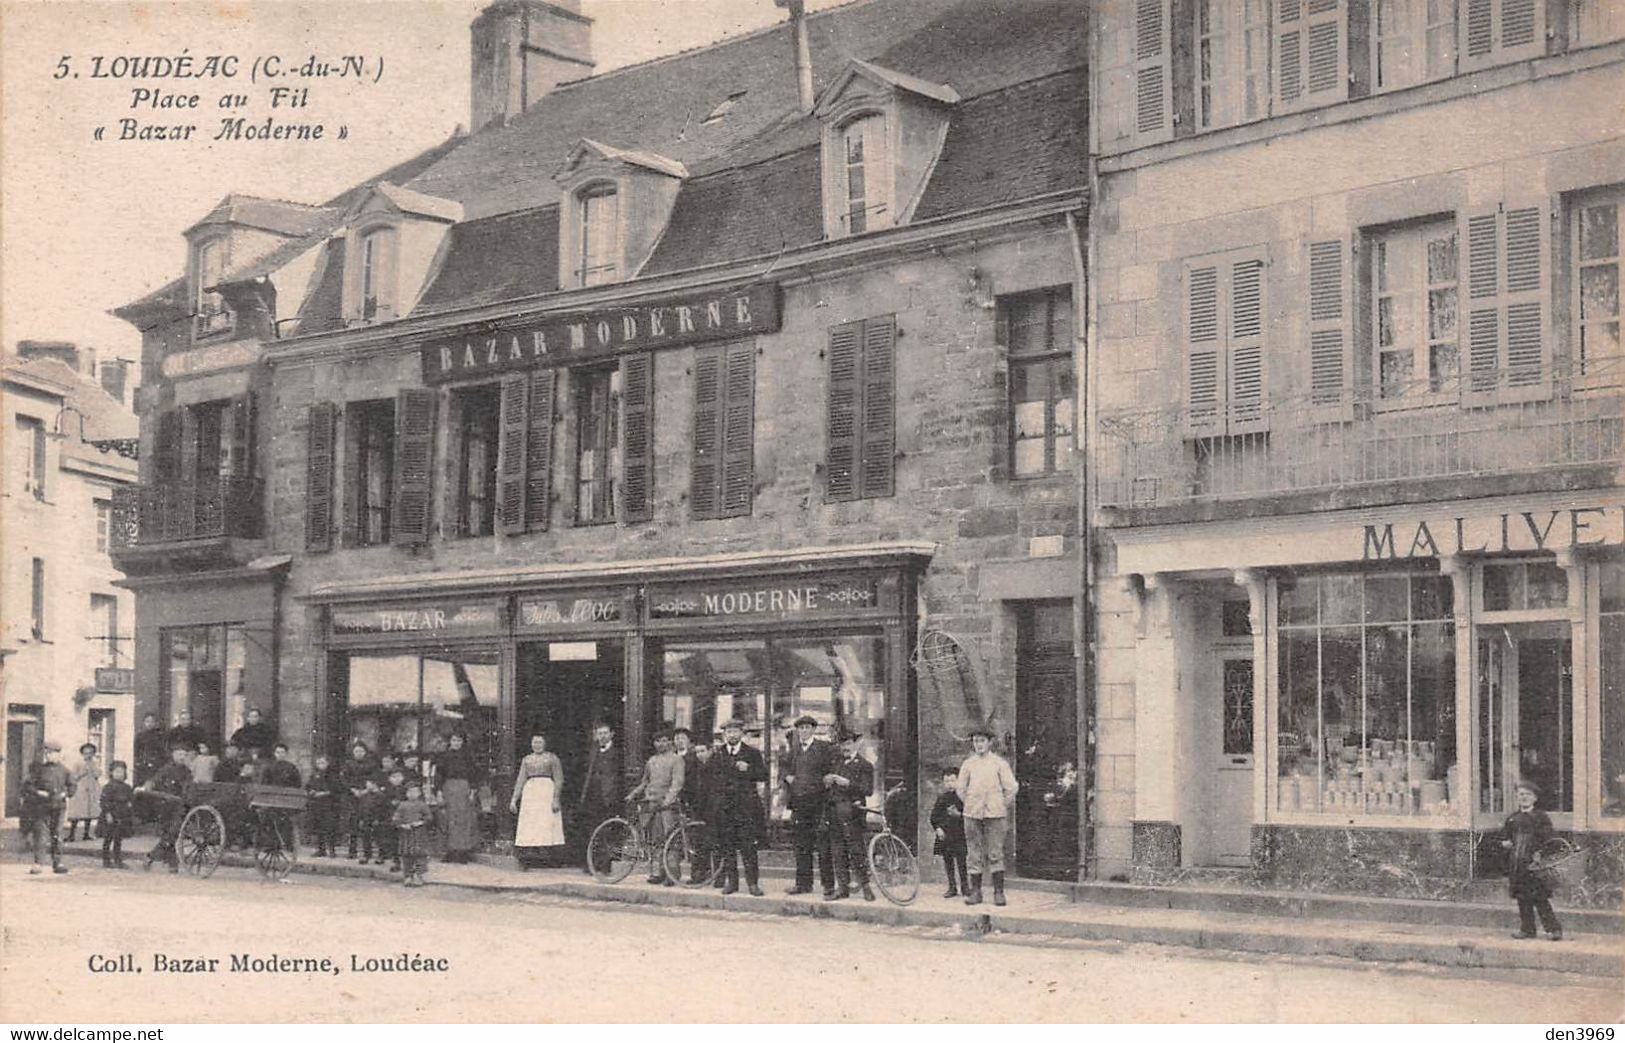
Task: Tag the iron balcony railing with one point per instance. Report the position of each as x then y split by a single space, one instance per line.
164 512
1486 424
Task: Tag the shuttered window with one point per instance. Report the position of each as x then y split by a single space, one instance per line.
1493 32
1224 343
597 394
860 429
1505 257
1232 61
1415 304
369 471
1329 334
637 437
1153 79
319 477
1311 53
167 459
1412 41
477 443
414 455
539 451
1595 235
722 477
512 440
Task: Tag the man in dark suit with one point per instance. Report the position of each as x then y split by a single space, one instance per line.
187 734
740 824
805 764
151 749
848 781
256 737
600 786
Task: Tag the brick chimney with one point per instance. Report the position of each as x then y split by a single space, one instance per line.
520 50
115 374
65 352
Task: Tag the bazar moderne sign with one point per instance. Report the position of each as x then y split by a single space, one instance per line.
1553 529
449 618
562 340
771 599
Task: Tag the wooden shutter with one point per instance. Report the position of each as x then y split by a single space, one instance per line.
1245 367
414 456
1494 32
1508 350
878 441
705 475
1330 338
240 448
167 451
319 477
353 496
1204 351
637 437
513 435
841 417
1311 53
738 431
539 451
1153 87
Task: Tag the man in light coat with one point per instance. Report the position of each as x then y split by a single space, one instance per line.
988 788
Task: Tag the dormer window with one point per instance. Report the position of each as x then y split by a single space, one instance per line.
598 258
377 274
389 245
863 144
209 265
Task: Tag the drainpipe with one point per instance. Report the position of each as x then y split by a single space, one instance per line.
798 27
1083 620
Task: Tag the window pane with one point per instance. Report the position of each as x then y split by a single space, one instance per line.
1431 597
1444 362
1611 703
1299 599
1599 291
1599 341
1029 381
1547 585
1298 723
1612 598
1503 588
1397 369
1442 314
1029 456
1387 598
1442 257
1599 232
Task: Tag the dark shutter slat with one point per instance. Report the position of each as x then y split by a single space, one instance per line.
414 455
352 496
706 473
512 441
319 477
637 437
878 448
167 459
538 505
739 431
841 428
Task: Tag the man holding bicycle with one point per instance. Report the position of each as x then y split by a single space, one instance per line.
661 791
848 782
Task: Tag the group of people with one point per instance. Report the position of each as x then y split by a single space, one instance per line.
52 791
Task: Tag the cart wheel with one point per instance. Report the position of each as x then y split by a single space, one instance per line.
613 850
201 840
688 860
276 854
892 866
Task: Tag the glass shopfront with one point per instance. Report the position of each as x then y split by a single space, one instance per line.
1611 691
202 674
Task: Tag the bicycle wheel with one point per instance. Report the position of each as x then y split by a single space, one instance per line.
613 851
688 858
201 840
893 869
275 855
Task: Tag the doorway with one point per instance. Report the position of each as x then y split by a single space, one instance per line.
563 690
1230 756
1046 748
23 738
1525 714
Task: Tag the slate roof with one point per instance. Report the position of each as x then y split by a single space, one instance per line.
273 215
497 258
105 416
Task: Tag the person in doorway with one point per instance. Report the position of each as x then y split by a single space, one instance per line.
256 737
118 815
806 762
459 776
45 794
660 792
948 824
86 803
741 825
151 749
1522 835
600 787
988 788
537 789
169 786
848 782
326 789
412 819
187 734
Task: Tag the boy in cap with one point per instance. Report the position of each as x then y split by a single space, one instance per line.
806 762
411 819
660 789
45 793
118 815
848 783
170 781
1522 835
948 823
988 788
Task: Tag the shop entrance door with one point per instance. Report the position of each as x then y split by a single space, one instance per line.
1046 750
563 694
1232 820
22 749
1525 714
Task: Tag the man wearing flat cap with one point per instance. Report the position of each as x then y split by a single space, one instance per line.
988 788
806 763
45 794
849 780
738 769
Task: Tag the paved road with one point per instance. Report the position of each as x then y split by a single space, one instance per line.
532 958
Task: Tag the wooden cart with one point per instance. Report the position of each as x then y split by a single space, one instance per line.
264 813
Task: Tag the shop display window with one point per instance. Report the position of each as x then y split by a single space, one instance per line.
406 701
1611 689
1366 696
1525 586
203 673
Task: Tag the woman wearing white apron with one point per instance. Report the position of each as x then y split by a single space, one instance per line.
536 800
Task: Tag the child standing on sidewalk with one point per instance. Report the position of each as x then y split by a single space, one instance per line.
988 788
948 822
412 819
1524 832
118 815
85 804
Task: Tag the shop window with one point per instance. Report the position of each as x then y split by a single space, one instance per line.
1524 586
1611 689
1413 41
404 701
722 482
598 464
478 410
1366 696
203 673
31 453
1414 309
1037 330
104 627
1595 235
861 424
369 483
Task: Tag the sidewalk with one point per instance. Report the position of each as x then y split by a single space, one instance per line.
1039 914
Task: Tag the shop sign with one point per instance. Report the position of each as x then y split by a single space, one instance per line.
1512 531
115 679
207 360
571 611
431 619
775 599
564 340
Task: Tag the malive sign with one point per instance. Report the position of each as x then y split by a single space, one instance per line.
1508 532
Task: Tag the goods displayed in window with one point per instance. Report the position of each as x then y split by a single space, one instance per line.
1366 703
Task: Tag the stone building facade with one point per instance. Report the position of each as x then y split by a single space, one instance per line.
1357 438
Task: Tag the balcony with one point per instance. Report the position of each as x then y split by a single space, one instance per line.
185 523
1397 444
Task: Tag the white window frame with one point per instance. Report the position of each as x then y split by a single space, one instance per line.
878 173
372 263
597 262
213 315
1222 88
1592 22
1417 25
1587 370
1416 302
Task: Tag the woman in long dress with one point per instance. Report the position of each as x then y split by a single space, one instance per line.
537 792
458 776
86 803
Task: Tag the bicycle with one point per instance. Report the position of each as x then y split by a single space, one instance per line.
892 865
620 844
